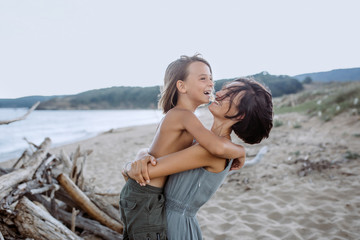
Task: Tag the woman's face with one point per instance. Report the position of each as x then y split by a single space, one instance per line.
222 107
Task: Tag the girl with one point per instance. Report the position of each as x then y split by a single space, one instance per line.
187 84
245 107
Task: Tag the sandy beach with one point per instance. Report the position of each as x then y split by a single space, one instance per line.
306 186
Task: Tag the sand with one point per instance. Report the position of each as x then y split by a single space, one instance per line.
274 199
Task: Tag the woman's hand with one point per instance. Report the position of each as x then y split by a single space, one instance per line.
139 169
237 163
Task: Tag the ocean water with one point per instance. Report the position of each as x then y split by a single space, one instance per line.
64 126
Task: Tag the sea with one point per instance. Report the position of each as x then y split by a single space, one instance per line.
64 126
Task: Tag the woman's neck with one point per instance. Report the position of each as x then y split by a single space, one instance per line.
221 128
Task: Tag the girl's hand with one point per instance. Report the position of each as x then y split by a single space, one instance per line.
237 163
139 169
125 170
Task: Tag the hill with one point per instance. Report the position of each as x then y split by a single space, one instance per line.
278 85
106 98
143 98
338 75
24 102
138 97
325 100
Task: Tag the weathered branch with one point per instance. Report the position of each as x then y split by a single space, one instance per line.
63 196
4 171
87 224
84 202
21 118
105 207
23 157
47 227
9 181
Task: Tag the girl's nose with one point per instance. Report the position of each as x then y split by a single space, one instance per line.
211 83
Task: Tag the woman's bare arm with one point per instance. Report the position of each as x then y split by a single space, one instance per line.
190 158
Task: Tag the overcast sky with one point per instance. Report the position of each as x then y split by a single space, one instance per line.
65 47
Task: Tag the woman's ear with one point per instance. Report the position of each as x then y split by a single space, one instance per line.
180 85
241 117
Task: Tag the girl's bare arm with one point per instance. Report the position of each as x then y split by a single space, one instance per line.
216 145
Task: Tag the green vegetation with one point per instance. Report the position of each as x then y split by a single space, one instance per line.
24 102
298 100
323 100
351 155
278 123
307 80
337 75
278 85
107 98
297 153
144 98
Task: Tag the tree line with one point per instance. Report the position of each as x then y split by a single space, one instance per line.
140 97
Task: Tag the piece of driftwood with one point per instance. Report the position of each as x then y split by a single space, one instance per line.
34 222
87 224
4 171
41 182
22 117
8 232
36 176
63 196
109 194
67 164
73 218
105 207
24 157
16 193
78 167
9 181
89 207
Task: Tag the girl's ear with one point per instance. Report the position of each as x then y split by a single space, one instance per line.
180 85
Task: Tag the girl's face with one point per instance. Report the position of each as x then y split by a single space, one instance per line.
222 107
199 84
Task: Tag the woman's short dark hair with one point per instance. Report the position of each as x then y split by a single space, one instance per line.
255 109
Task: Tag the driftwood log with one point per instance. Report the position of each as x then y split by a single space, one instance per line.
43 196
22 117
104 206
34 222
8 181
84 202
81 222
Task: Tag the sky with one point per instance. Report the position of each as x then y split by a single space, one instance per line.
70 46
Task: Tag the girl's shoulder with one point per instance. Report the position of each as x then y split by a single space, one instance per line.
176 117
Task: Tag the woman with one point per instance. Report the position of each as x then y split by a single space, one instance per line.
243 106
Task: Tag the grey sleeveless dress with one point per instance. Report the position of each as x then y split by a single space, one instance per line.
185 193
